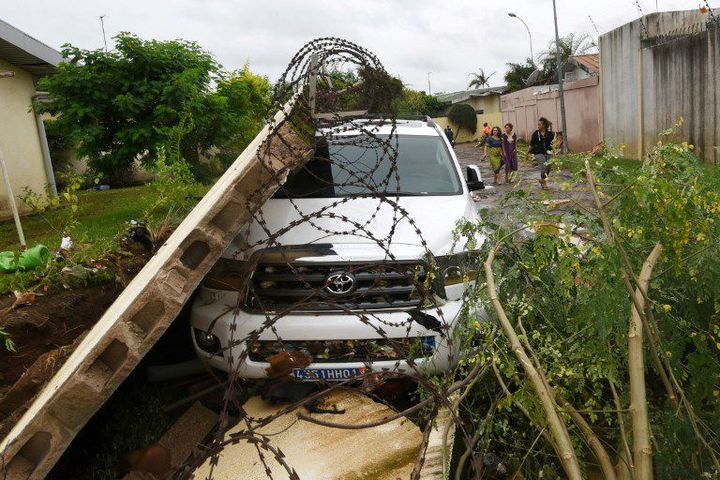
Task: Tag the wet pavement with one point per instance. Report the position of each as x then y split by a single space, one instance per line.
560 195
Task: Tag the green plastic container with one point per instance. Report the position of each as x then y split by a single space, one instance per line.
30 259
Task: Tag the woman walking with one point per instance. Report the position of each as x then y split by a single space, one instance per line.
494 151
509 149
541 148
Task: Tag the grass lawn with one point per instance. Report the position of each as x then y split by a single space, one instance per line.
101 217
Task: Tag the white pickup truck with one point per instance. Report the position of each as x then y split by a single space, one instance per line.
340 278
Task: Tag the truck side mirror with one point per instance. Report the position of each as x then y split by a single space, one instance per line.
474 178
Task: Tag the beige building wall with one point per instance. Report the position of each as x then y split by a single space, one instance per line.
492 119
19 138
489 104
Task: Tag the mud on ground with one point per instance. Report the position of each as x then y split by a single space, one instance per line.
47 331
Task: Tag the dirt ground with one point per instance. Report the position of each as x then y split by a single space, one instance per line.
525 178
46 332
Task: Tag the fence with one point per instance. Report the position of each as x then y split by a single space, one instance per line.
651 81
582 108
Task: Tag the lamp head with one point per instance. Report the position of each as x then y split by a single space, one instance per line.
512 14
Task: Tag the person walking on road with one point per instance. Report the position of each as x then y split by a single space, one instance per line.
494 151
509 150
486 130
449 135
541 149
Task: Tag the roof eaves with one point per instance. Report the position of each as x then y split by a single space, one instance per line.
31 47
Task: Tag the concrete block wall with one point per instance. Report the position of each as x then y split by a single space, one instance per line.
144 310
656 70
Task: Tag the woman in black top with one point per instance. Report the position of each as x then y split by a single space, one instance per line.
541 148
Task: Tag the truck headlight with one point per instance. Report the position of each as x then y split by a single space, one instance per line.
455 270
207 342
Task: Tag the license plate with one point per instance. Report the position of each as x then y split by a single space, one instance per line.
327 374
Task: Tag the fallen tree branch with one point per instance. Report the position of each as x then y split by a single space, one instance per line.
661 363
557 426
642 451
623 432
592 439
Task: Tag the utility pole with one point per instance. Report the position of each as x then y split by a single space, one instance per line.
560 82
429 87
513 15
102 25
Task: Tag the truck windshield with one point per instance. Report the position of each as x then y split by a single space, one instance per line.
359 165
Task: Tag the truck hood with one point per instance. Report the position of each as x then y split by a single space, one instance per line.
418 221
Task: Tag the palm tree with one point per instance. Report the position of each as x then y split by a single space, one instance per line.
570 45
479 79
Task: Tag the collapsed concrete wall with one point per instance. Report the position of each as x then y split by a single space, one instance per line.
656 70
144 310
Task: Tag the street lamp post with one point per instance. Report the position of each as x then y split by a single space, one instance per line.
429 87
532 57
560 82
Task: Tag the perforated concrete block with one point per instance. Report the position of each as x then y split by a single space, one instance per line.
143 311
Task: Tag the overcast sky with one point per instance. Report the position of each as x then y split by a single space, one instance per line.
449 38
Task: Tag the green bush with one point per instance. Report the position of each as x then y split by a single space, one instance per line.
564 293
117 107
464 117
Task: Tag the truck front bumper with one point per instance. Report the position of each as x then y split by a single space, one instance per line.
215 312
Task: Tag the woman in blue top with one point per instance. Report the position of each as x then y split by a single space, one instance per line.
493 151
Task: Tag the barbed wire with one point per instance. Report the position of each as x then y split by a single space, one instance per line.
712 18
351 161
641 14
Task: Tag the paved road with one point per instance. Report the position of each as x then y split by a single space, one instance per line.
526 178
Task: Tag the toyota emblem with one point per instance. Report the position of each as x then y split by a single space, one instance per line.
340 283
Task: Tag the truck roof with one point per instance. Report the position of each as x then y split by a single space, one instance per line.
383 127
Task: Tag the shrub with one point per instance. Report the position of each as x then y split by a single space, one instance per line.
464 117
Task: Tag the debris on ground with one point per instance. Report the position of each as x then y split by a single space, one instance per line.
139 233
76 276
283 363
22 299
290 392
387 452
46 331
183 437
173 449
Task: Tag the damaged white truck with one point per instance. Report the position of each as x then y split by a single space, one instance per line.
336 264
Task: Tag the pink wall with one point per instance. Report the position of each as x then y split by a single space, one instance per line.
582 108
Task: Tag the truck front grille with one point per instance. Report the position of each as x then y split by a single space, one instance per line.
309 286
328 351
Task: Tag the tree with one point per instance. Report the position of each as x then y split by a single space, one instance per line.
570 45
463 116
416 102
123 105
518 73
247 98
610 313
378 90
479 79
